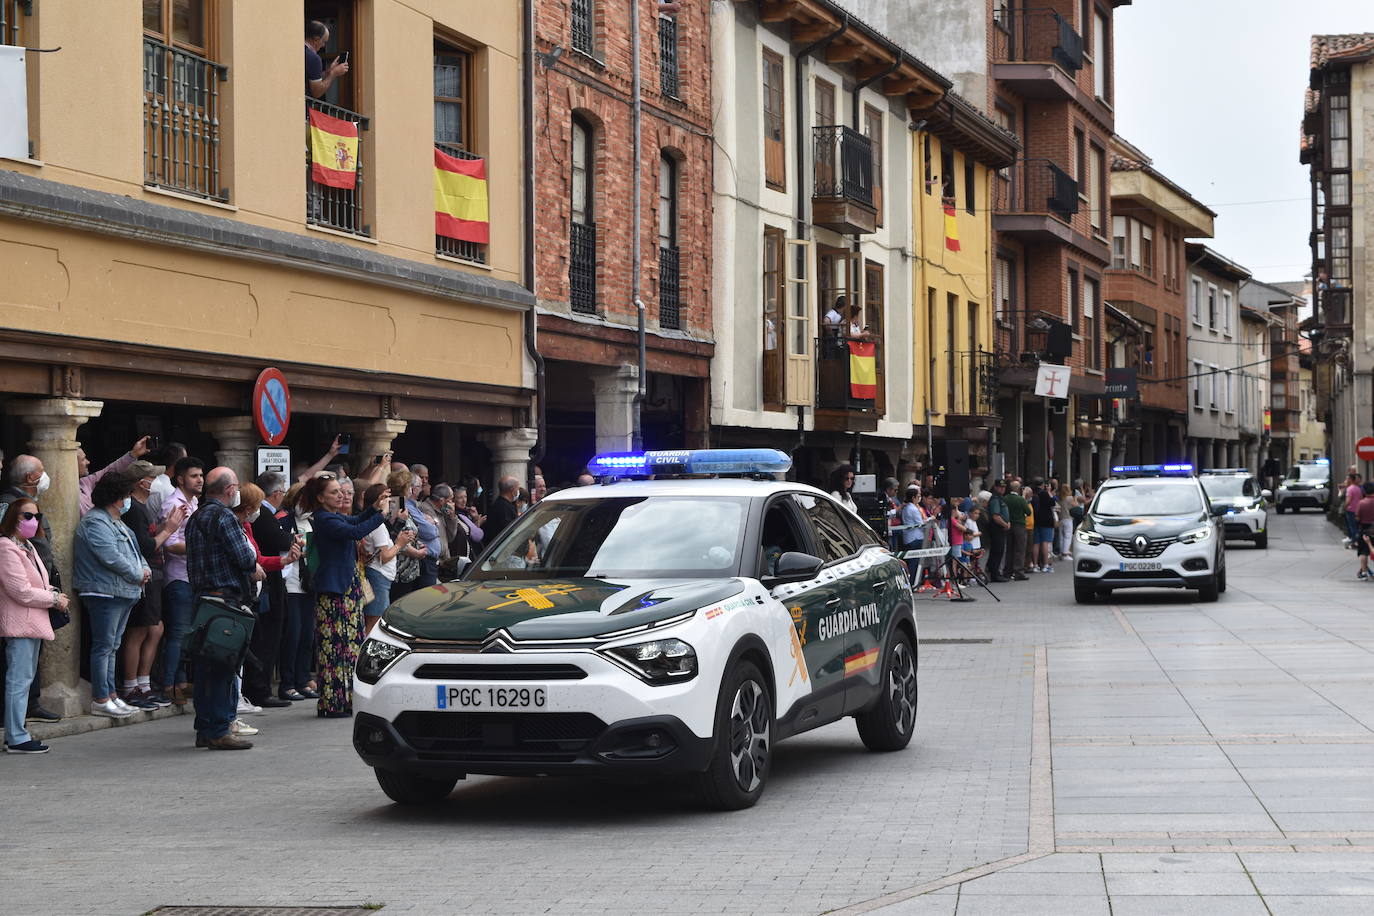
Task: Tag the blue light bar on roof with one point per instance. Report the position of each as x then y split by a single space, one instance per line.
691 461
1152 470
1326 461
1224 471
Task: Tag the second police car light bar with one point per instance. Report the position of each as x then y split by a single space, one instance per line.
691 461
1147 470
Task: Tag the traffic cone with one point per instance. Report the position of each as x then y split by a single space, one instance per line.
948 591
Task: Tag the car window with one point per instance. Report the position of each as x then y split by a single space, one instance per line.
1249 489
1144 498
1224 487
777 536
864 536
833 537
1309 472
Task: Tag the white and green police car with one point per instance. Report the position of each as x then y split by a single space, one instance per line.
645 628
1308 484
1238 494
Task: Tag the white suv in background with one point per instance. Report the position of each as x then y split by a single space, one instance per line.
1235 491
1308 484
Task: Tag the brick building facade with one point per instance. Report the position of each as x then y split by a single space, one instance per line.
585 278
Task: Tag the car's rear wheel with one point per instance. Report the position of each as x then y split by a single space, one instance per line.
739 768
889 725
409 789
1084 594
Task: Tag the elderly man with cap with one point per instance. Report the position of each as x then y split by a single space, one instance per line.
144 630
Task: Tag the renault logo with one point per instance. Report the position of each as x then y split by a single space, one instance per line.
1140 543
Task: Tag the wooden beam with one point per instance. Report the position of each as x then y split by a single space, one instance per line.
869 71
841 53
812 31
900 85
779 10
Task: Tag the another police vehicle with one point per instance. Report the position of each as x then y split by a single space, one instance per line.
1308 484
1149 526
645 628
1238 493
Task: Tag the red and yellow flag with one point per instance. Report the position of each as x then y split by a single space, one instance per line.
333 150
951 229
863 370
460 198
860 662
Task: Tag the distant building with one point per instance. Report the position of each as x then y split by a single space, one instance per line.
1217 372
1281 309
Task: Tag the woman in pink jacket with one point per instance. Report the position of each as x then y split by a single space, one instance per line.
25 598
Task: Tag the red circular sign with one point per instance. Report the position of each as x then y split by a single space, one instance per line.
1364 449
272 406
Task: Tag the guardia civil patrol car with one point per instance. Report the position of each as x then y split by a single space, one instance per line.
1308 484
1149 526
1236 492
645 628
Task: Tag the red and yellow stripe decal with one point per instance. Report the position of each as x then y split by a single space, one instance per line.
857 664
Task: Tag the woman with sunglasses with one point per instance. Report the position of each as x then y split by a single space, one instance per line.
25 598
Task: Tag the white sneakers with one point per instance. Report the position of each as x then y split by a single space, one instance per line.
242 729
246 708
111 709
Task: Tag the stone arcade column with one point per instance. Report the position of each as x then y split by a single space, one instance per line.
615 390
372 437
238 440
53 423
510 453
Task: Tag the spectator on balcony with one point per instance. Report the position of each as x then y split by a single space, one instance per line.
318 77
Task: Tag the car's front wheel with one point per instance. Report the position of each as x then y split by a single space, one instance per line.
1278 507
1262 539
739 768
409 789
889 725
1211 591
1084 594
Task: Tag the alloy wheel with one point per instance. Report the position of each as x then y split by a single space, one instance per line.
901 684
750 722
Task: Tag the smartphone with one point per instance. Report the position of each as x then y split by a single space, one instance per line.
342 58
153 443
376 459
345 443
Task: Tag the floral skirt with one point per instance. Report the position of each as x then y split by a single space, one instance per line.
338 633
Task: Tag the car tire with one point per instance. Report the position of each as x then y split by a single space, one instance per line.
409 789
1084 594
1278 507
1262 540
743 757
1221 581
1209 592
890 724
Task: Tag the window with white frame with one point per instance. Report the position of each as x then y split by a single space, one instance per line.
1226 309
1211 307
1197 384
1229 393
1196 297
1212 385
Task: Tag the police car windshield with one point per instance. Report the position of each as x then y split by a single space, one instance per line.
1145 498
1224 487
633 537
1309 472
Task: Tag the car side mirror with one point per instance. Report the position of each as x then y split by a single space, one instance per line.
795 566
1218 511
452 569
1266 494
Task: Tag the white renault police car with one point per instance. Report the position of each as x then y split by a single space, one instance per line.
1238 494
1149 526
645 628
1308 484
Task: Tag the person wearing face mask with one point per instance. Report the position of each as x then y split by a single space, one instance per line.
28 480
109 574
25 599
274 552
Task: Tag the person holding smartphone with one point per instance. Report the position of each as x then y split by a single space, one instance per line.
318 77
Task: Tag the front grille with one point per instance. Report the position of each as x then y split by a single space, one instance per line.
1233 528
1121 574
545 672
548 737
1153 549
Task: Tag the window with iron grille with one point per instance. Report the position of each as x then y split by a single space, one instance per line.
181 98
583 16
582 231
667 56
453 130
669 267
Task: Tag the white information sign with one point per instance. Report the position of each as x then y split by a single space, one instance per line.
274 459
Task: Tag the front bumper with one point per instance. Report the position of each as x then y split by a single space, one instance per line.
1314 498
1181 566
1246 525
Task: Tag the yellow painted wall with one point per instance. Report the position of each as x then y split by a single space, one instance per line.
88 117
966 273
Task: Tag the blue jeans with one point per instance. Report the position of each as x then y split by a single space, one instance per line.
108 617
381 590
297 641
1352 526
177 605
21 657
216 699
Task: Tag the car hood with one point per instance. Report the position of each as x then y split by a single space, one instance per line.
571 608
1235 502
1152 526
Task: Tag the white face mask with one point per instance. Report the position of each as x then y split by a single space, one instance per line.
254 517
238 498
44 482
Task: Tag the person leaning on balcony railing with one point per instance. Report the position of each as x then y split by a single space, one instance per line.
318 77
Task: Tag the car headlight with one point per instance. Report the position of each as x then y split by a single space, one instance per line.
1089 537
1195 536
660 661
375 657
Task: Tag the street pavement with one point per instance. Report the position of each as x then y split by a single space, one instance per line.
1148 755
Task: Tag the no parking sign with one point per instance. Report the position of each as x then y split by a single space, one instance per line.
272 406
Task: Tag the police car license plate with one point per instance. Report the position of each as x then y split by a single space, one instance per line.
1141 566
487 697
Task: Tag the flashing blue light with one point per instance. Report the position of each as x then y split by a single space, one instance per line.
1326 461
1146 470
691 461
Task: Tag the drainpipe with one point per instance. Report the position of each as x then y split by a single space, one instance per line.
531 320
637 433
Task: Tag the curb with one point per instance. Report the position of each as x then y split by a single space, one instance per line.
80 725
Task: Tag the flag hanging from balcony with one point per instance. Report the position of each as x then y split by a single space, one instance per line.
951 229
863 370
333 150
460 198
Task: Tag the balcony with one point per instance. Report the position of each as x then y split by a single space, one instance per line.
842 199
1337 313
1036 53
1035 200
340 209
839 378
669 288
459 248
181 121
582 268
973 400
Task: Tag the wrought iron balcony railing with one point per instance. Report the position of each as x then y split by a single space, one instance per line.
459 248
840 380
976 377
582 268
843 164
1028 35
1036 186
669 288
337 208
181 121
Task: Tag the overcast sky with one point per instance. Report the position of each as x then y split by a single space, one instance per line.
1212 90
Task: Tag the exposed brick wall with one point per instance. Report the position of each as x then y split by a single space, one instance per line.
601 93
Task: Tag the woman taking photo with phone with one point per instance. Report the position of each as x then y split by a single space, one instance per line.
25 600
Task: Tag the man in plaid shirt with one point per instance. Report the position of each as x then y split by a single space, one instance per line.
221 562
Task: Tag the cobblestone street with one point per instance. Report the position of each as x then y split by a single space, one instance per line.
1135 755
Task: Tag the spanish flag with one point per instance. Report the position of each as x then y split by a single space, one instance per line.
333 150
863 370
460 198
951 229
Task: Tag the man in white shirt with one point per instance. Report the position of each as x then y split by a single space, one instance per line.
162 483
